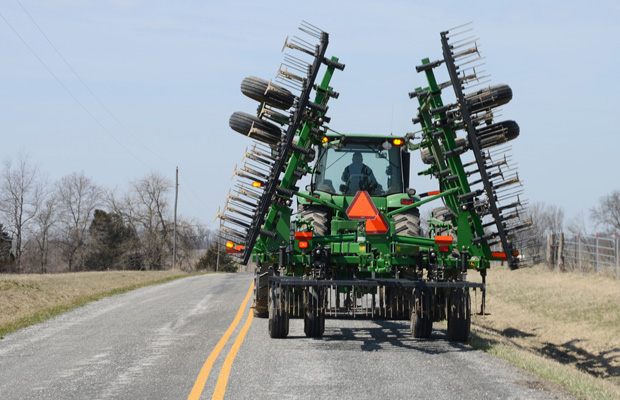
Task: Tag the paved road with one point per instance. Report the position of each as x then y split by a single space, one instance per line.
154 342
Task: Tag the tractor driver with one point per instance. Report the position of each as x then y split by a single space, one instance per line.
358 176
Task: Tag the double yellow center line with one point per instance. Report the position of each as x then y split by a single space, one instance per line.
222 381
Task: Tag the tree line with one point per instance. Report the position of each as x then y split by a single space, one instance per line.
74 224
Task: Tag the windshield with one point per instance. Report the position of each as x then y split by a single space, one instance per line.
360 166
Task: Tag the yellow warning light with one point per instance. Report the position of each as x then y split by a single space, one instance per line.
257 184
230 244
325 139
398 142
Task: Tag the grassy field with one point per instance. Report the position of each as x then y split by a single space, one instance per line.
564 327
32 298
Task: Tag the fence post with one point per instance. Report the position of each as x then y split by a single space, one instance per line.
560 257
597 254
617 249
550 262
579 241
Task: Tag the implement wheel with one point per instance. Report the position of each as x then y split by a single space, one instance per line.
263 91
459 315
264 131
314 315
278 313
421 315
261 293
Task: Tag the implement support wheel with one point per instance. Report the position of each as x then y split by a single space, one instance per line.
459 314
421 315
314 314
278 313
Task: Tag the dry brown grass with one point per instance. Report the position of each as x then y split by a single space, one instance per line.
31 298
563 321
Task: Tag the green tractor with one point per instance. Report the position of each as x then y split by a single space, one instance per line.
354 246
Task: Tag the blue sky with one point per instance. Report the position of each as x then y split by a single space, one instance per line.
169 72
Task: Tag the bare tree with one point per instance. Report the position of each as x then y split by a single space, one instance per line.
78 197
547 218
44 223
21 199
607 213
150 211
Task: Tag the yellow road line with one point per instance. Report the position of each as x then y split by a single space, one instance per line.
222 381
206 368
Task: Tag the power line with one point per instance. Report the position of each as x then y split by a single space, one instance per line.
95 97
70 93
88 88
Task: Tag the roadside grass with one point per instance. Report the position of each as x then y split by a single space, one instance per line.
32 298
563 327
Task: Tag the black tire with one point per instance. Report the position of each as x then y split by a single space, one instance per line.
421 315
261 294
426 156
320 218
262 91
278 314
314 313
459 315
487 98
408 223
243 122
444 214
499 133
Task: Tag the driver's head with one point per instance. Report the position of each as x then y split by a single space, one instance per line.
357 157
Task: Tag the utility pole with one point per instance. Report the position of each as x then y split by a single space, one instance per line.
176 198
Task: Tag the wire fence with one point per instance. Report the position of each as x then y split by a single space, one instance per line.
598 253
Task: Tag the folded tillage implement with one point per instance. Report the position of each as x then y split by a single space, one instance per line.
355 247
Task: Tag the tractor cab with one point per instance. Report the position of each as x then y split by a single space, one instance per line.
348 164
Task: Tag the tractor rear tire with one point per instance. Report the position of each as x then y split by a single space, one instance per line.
262 91
459 315
318 216
408 223
314 314
421 315
278 314
444 214
243 122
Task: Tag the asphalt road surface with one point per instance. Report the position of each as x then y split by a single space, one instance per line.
194 338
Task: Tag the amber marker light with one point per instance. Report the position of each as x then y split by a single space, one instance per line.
257 184
230 244
398 142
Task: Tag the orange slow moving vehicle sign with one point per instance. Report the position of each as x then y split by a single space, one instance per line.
362 207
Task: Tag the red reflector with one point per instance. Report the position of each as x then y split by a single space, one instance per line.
377 226
362 207
443 239
303 244
444 248
406 202
303 235
499 255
